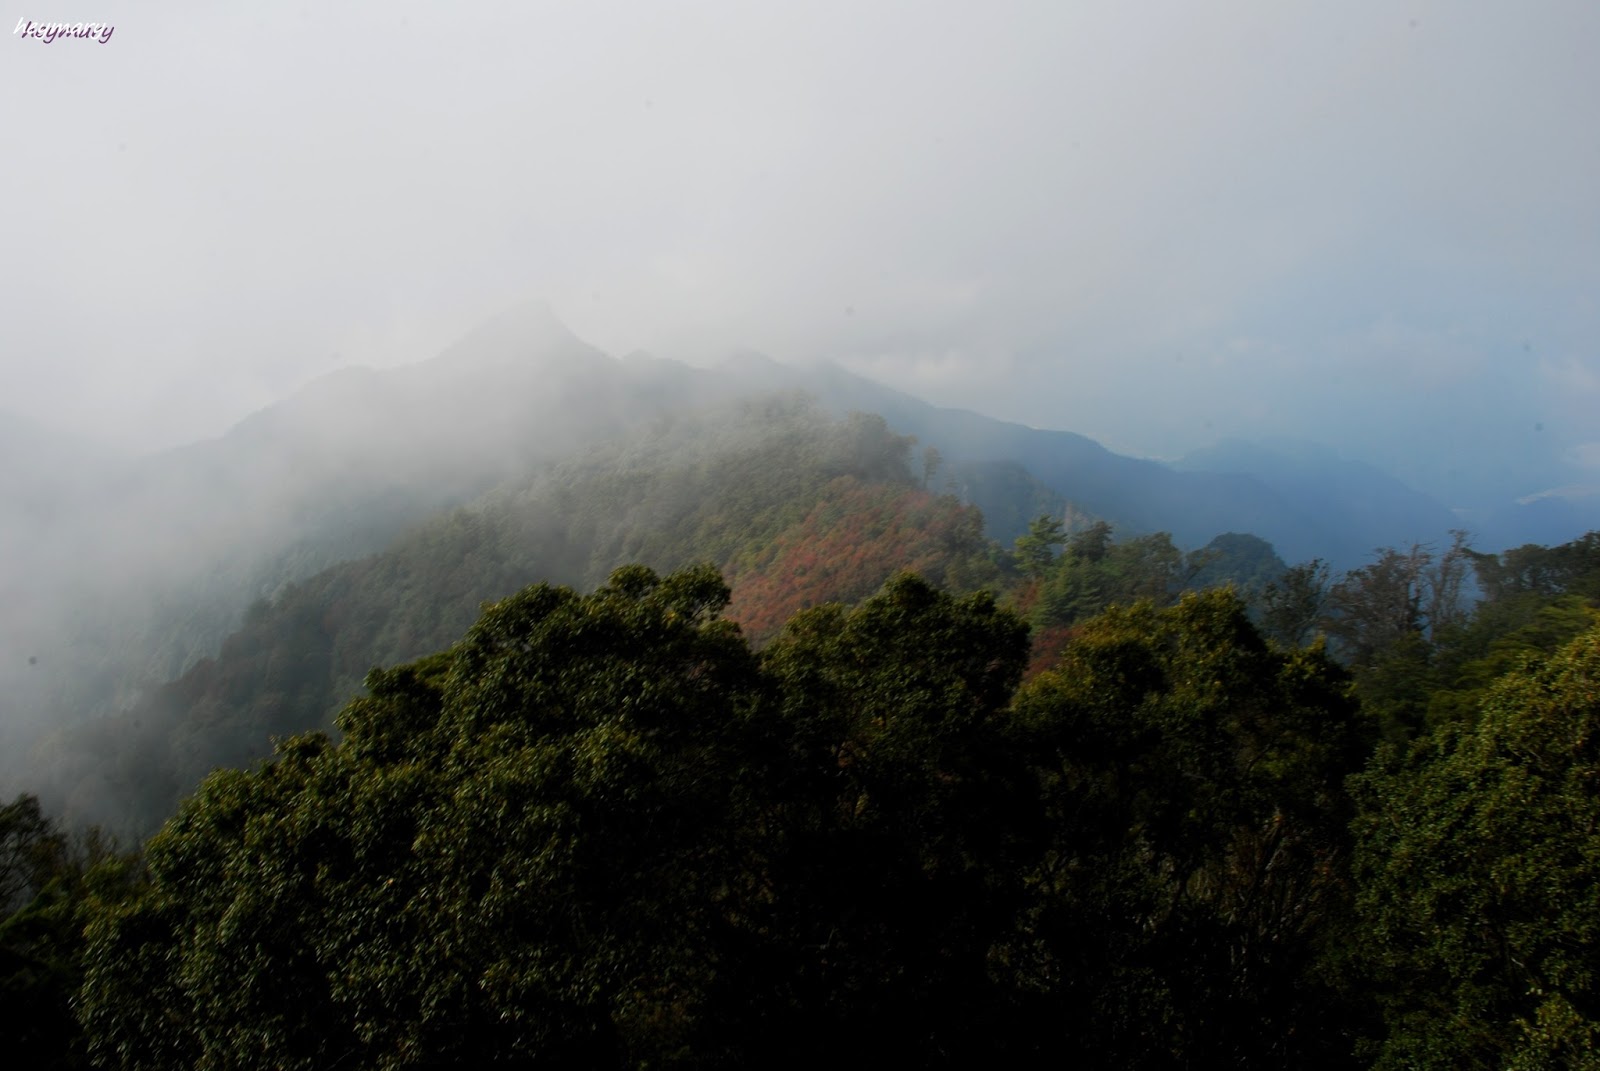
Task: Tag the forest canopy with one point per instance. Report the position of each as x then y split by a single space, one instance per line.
600 829
609 830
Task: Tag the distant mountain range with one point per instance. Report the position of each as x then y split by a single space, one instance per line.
119 575
1356 507
1301 498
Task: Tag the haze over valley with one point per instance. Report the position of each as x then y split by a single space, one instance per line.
126 573
695 535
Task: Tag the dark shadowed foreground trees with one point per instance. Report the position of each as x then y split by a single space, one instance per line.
1194 861
600 831
51 884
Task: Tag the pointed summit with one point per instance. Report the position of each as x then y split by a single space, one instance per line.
528 331
752 362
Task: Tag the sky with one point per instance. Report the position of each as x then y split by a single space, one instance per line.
1372 224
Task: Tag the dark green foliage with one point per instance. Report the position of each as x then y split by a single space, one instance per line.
583 836
725 486
1195 847
600 831
1091 543
1478 864
1247 562
1421 657
1569 569
1034 550
893 830
1387 620
1095 572
1291 605
1500 638
31 850
517 852
604 831
53 884
1536 599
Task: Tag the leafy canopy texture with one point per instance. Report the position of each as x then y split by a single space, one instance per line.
574 838
1478 863
51 884
600 831
1194 848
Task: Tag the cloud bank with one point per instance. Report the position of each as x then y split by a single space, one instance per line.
1158 224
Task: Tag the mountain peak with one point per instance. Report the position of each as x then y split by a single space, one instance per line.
528 330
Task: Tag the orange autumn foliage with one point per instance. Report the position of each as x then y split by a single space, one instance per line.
856 537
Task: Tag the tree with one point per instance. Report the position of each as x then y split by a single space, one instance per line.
896 830
1501 638
931 461
598 831
1194 843
513 853
1292 605
1477 865
1092 543
1388 619
54 883
1095 573
1569 569
1399 594
1444 603
1375 606
1033 549
32 850
1245 561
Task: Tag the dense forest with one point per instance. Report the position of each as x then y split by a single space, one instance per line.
794 506
709 535
819 766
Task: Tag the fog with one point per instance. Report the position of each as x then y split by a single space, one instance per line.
1370 224
1161 226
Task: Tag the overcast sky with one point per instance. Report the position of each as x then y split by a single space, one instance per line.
1374 224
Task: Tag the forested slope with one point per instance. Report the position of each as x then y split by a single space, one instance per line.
601 830
606 830
795 507
744 486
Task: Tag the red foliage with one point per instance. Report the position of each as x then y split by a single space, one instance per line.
1022 602
1048 644
855 537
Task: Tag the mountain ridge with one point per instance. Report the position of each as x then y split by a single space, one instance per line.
144 576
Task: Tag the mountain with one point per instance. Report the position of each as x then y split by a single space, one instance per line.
139 570
1360 506
136 571
1305 512
796 509
1546 519
119 575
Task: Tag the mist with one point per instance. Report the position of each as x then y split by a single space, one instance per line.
1165 228
1371 226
